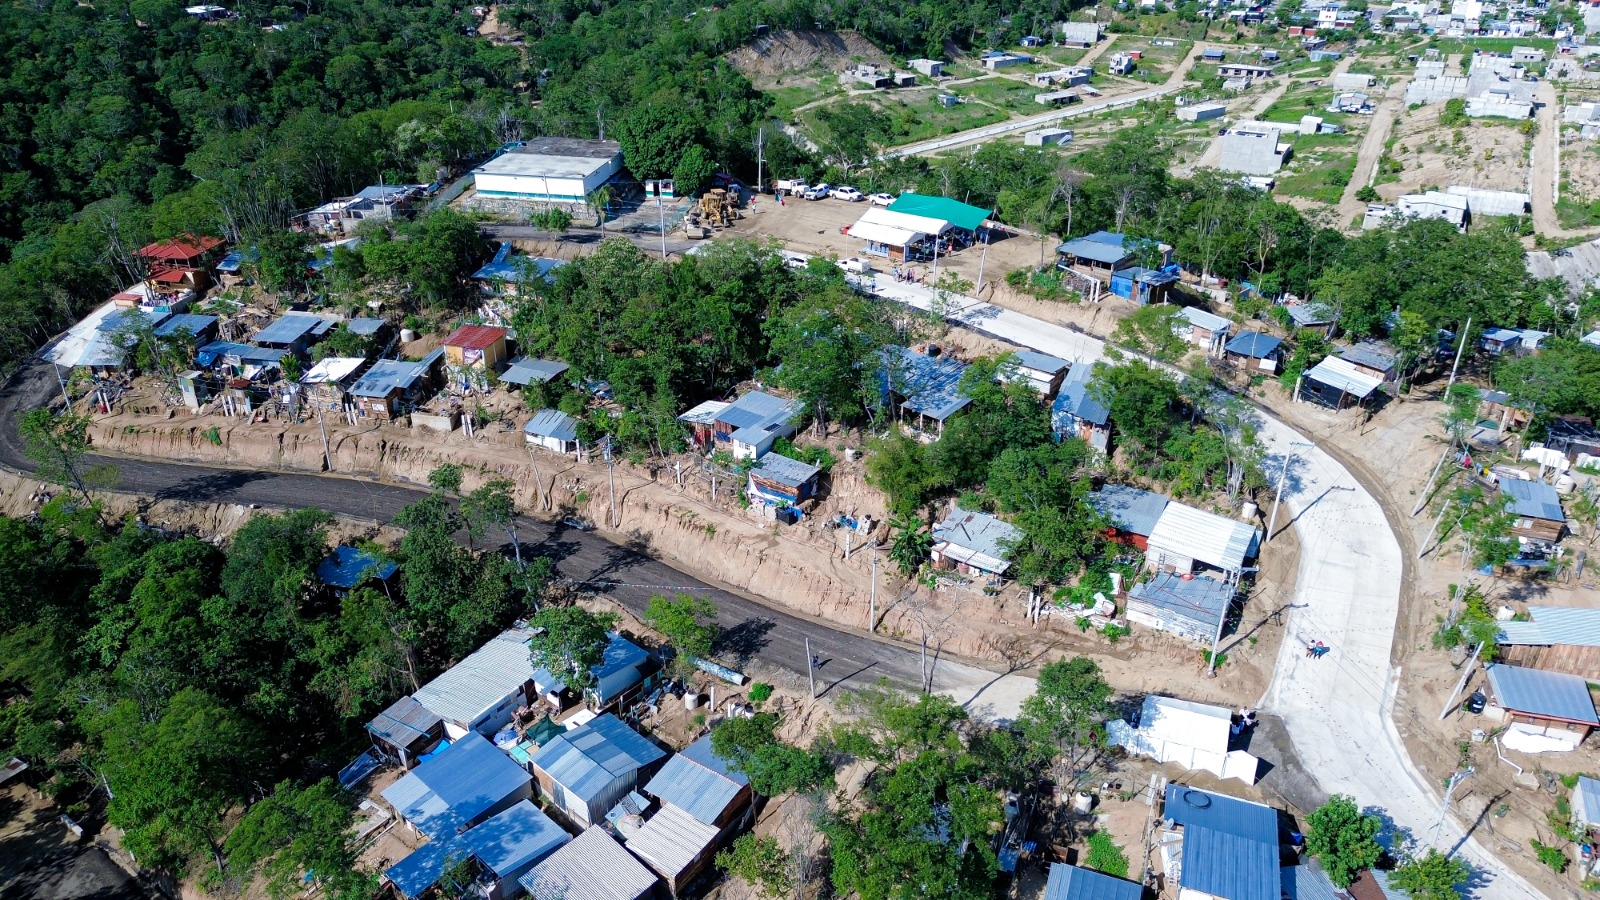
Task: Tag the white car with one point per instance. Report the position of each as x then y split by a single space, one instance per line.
818 192
848 194
855 265
881 199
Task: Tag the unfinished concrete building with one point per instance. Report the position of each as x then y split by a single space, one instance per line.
1253 150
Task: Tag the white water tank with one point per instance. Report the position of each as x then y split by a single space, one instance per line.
407 335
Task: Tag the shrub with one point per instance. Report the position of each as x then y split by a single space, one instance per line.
1105 856
760 692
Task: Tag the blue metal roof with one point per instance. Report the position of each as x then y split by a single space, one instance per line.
456 786
698 781
1254 344
786 471
246 354
552 423
1043 362
1555 625
194 324
235 261
588 759
1588 791
347 567
1074 883
1106 247
1130 509
1533 499
1307 881
1144 276
1230 846
386 191
1202 600
616 673
757 409
404 722
386 375
1308 314
523 370
1370 355
289 328
1076 401
366 326
930 384
1546 695
421 870
516 270
515 839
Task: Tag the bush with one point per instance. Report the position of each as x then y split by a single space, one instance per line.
1554 857
1105 856
760 692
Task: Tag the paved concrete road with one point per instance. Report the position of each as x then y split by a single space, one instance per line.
1337 710
625 573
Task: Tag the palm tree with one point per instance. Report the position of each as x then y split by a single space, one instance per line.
600 200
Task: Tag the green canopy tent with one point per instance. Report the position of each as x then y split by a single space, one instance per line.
962 215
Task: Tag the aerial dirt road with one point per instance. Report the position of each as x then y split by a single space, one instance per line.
1382 122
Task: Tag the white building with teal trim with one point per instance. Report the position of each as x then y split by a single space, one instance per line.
551 170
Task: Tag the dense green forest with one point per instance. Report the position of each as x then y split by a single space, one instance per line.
187 680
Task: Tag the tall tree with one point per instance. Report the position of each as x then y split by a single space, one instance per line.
1061 722
59 448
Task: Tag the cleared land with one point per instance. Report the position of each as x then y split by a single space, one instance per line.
1484 153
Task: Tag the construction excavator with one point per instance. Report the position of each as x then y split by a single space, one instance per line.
716 209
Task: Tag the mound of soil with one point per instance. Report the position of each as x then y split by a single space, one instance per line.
788 52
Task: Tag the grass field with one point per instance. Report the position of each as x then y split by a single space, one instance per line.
912 117
1016 96
1303 102
1320 167
1492 45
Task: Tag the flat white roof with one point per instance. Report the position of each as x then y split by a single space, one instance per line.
883 234
903 221
554 158
333 369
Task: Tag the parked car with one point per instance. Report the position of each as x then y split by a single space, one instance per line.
855 265
578 523
796 262
792 186
818 192
881 199
847 194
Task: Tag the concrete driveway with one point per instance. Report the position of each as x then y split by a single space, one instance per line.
1338 709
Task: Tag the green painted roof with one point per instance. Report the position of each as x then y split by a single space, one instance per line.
961 215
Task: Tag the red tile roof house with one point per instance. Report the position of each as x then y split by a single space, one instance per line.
182 261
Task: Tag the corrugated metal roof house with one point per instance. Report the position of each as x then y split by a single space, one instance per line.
525 371
924 385
1077 412
676 845
1075 883
972 542
702 784
1545 697
751 424
1337 383
553 430
586 771
405 730
1537 507
506 846
1230 846
1194 608
624 667
1555 639
293 332
1196 736
1586 802
481 692
591 867
1133 512
1185 537
464 784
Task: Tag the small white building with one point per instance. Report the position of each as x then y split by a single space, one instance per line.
552 169
1193 735
933 68
1200 112
1047 137
1080 34
552 430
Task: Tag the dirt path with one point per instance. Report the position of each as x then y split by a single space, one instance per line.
1213 155
1097 51
1544 178
1378 129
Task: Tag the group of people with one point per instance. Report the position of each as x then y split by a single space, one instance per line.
1316 650
909 274
1243 719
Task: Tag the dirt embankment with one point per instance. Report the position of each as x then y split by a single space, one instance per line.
787 52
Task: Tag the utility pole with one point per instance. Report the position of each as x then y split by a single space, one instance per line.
761 144
327 457
981 260
1449 790
533 463
1422 499
611 478
811 670
872 600
1277 497
61 381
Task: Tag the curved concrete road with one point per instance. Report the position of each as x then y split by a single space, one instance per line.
1339 709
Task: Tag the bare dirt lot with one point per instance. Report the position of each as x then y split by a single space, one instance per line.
1484 153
